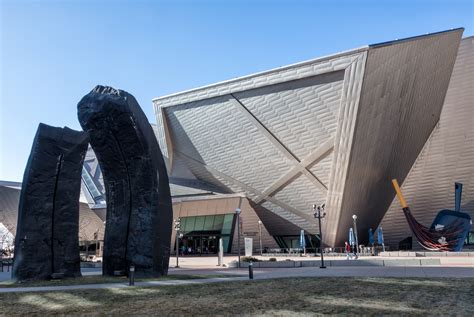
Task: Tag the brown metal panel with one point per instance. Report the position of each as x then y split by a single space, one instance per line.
447 157
402 95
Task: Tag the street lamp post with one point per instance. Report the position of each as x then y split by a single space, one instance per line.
96 238
354 217
237 212
320 213
260 235
177 227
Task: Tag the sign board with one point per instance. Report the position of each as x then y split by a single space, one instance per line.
248 246
221 253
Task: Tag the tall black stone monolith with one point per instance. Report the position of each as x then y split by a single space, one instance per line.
47 239
139 210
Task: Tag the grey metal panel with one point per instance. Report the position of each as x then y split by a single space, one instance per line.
275 76
199 170
316 156
322 170
225 144
401 99
275 224
343 141
446 158
9 198
306 224
195 184
180 170
302 114
236 185
224 139
160 134
89 222
180 190
301 195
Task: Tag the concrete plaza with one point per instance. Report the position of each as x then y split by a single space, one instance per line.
208 266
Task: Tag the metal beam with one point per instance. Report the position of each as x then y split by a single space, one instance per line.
299 168
243 186
263 129
313 158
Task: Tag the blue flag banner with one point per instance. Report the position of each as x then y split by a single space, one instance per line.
302 240
380 236
371 236
351 237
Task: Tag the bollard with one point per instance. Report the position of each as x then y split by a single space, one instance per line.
131 276
250 270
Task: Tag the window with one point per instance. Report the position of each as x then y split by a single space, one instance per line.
469 238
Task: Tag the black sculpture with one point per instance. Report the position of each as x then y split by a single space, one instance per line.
139 210
47 239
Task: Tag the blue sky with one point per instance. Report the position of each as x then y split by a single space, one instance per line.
54 52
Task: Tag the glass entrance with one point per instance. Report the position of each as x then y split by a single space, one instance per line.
199 243
201 234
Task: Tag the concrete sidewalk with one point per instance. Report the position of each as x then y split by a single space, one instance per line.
207 263
261 274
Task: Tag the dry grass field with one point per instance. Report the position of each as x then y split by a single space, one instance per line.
281 297
99 279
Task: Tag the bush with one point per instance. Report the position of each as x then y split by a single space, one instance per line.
249 259
272 259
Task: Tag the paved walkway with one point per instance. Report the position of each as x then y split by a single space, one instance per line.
261 274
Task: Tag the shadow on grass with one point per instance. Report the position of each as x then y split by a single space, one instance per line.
368 296
99 279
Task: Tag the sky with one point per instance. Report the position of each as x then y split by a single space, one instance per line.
54 52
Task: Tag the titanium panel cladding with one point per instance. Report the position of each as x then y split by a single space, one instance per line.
447 157
403 91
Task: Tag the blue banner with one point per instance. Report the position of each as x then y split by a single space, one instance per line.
302 240
351 237
380 236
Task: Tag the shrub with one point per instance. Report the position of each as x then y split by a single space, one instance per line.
249 258
272 259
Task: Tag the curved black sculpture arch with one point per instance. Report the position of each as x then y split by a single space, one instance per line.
47 238
139 209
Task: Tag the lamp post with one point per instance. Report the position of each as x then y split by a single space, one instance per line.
320 213
354 218
260 235
96 238
237 212
177 227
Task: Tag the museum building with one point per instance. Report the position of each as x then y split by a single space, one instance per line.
333 130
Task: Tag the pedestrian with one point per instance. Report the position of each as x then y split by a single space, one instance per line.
347 249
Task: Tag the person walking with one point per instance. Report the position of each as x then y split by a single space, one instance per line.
347 249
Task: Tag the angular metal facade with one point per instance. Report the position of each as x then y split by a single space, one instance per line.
402 95
267 134
330 130
447 157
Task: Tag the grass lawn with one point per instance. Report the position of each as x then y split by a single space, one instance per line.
291 297
99 279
